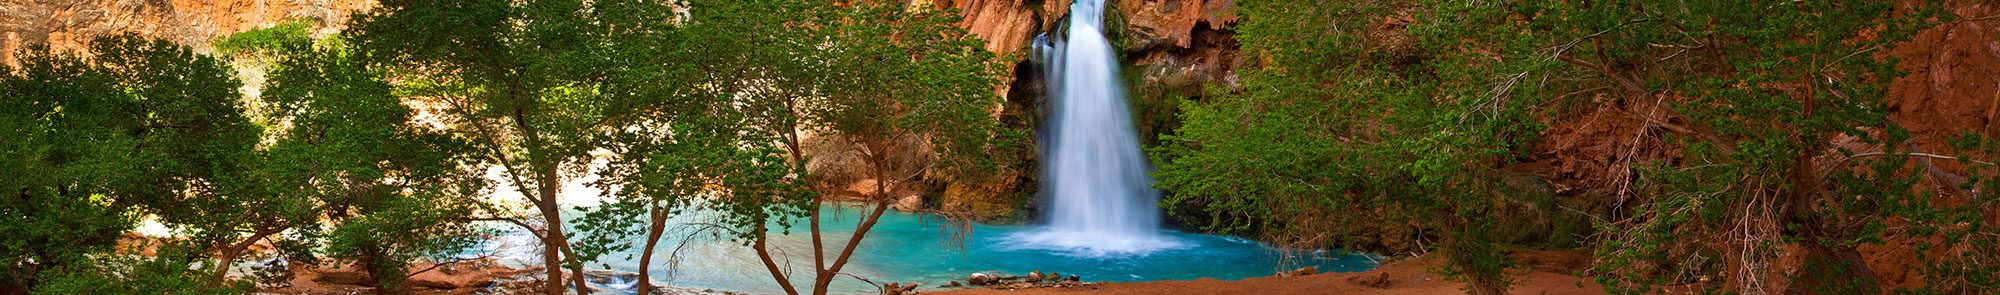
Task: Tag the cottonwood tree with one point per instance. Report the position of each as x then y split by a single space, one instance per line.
690 165
687 147
139 127
528 83
894 84
395 190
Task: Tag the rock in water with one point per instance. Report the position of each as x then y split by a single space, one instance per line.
910 203
1035 276
980 279
1073 279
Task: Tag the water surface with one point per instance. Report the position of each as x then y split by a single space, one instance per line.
908 248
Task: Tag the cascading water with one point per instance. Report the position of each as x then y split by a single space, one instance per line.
1101 201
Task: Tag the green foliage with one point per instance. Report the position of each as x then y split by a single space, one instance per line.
1761 98
1336 119
164 273
399 190
894 73
148 128
289 34
906 89
1776 110
141 127
535 87
874 75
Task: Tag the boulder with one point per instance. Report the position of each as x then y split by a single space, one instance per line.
1035 276
1171 24
1303 271
910 203
981 279
899 289
1073 279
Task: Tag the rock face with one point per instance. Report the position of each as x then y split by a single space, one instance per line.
1006 25
1173 23
70 24
1950 89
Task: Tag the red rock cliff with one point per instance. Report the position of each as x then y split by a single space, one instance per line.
69 24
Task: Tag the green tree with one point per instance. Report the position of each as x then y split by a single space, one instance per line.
1340 115
396 190
532 85
687 145
905 88
141 127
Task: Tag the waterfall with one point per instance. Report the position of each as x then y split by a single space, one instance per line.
1099 198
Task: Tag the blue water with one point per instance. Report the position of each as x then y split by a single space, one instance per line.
911 248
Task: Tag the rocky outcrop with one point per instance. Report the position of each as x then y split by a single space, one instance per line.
1006 25
1949 88
1156 24
70 24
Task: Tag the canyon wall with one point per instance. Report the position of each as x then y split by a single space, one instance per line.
70 24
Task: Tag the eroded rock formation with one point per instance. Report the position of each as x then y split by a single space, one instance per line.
70 24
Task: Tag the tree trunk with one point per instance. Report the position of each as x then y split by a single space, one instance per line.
825 276
552 239
1807 188
790 138
576 272
228 256
229 253
659 225
372 262
879 154
764 253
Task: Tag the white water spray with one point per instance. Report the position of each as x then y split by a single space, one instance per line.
1100 199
